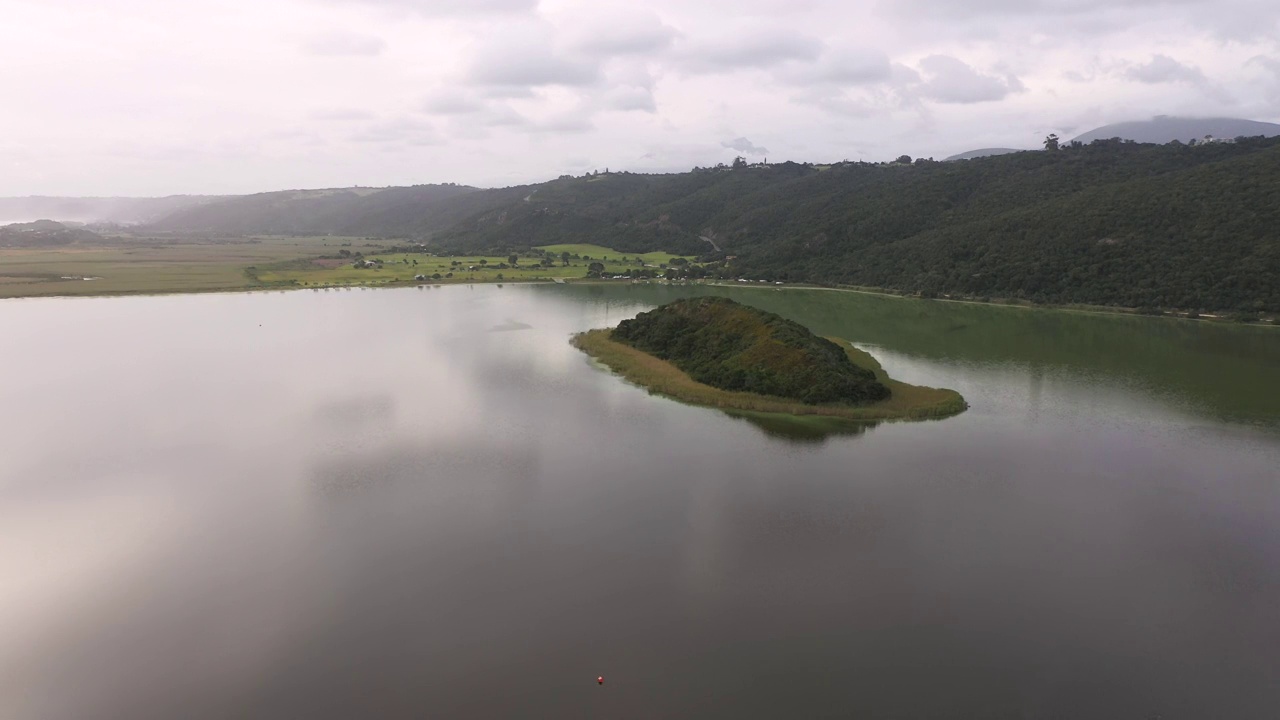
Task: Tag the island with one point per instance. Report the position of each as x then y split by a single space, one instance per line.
716 352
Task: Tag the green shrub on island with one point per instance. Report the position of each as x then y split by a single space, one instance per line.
734 347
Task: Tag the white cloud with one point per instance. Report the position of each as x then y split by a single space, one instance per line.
487 90
438 8
949 80
759 48
615 29
1164 69
341 43
452 101
523 60
744 146
401 131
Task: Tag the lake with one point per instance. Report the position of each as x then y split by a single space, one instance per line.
424 503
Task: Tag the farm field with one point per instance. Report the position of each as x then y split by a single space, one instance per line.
142 266
148 265
402 267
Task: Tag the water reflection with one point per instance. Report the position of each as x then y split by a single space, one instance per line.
399 513
802 430
1227 371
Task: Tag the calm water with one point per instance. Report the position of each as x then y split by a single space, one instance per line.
426 504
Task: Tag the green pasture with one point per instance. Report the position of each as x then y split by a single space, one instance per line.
403 267
128 265
597 252
141 265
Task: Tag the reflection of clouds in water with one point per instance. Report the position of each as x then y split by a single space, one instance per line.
57 558
356 411
456 470
508 325
804 430
145 596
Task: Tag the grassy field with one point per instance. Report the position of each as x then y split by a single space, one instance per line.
155 266
907 402
403 267
142 265
597 252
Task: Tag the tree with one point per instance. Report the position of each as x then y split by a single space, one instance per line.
564 258
595 268
513 260
739 163
1051 142
483 261
903 160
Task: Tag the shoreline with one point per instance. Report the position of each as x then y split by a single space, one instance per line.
659 377
880 292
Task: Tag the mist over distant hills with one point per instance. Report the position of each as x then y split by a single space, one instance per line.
44 234
126 211
1109 222
1158 130
1164 129
984 152
387 212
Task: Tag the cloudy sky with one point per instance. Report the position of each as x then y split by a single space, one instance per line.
152 97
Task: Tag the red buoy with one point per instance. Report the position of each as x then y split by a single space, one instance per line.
600 680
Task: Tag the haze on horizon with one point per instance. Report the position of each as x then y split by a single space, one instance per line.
155 98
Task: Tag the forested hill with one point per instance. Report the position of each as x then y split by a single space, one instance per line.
415 211
1166 226
44 234
1110 223
734 347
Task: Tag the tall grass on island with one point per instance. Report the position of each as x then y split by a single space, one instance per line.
906 402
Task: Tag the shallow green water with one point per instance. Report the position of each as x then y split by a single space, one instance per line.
425 503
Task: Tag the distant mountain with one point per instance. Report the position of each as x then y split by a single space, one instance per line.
984 152
1105 223
1165 129
416 211
44 233
122 210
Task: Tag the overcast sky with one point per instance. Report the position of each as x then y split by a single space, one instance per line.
154 97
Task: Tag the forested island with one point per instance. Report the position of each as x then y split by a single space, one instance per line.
716 352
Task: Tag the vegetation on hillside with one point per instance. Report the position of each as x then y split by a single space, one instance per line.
734 347
416 211
1110 223
44 234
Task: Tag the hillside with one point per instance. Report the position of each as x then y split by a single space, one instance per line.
1118 224
729 346
44 233
1165 129
121 210
416 211
1108 223
984 152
